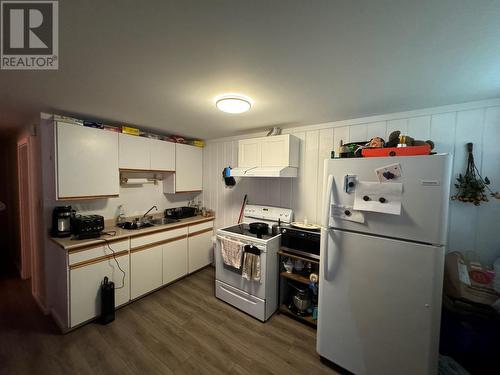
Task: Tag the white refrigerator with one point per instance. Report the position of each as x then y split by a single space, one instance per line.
382 257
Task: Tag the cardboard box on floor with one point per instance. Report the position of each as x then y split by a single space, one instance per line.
459 285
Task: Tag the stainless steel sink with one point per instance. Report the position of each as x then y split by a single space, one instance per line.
138 224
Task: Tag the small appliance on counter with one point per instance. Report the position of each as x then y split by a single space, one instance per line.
87 226
180 212
61 221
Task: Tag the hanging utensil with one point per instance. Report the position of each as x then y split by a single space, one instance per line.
243 204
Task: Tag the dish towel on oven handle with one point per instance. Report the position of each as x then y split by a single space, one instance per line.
232 252
251 263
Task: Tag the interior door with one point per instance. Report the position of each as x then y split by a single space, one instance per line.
379 304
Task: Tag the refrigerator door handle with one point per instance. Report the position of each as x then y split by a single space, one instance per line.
327 193
324 251
330 254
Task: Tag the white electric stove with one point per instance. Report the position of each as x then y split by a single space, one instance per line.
256 298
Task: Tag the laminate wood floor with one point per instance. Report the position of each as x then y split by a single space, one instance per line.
180 329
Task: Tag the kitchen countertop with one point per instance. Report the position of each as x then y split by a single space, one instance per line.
69 244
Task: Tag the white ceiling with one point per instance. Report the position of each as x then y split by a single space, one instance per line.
159 64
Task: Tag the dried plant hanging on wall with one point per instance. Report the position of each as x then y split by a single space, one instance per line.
471 186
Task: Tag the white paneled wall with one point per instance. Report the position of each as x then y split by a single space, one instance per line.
470 228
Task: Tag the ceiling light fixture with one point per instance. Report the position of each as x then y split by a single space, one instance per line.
233 103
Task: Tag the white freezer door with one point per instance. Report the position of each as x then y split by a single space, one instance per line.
424 208
379 304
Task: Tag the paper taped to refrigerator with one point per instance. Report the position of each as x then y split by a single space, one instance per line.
384 198
347 213
389 172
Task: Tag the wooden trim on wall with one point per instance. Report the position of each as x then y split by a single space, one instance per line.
183 225
157 243
147 170
200 232
102 242
98 260
86 197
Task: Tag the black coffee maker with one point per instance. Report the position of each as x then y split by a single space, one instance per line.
61 221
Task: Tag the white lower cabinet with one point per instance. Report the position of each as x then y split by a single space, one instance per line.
85 285
200 246
153 260
145 270
175 260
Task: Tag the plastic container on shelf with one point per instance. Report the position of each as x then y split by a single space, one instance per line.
396 151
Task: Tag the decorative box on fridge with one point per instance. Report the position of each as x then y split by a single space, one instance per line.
396 151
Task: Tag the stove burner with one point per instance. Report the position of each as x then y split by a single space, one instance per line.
244 229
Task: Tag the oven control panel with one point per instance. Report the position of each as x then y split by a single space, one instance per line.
285 215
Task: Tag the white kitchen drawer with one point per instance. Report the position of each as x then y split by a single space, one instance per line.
199 227
241 300
78 256
157 237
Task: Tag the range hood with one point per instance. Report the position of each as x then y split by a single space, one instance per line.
264 172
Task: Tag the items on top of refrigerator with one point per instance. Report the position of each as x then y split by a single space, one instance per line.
397 145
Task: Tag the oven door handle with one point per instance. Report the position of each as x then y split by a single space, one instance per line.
261 248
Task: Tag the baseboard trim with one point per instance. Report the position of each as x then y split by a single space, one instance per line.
40 304
58 321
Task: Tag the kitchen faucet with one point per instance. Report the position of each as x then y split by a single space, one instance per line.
148 211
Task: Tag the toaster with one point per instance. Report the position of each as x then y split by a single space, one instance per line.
87 226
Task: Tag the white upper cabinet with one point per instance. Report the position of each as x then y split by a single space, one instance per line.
188 170
249 152
162 155
145 154
86 162
280 150
134 152
273 151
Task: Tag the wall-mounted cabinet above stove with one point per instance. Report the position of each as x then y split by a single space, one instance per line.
274 156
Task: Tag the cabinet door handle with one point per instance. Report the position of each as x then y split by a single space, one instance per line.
200 232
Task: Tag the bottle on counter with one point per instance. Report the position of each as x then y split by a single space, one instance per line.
120 217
